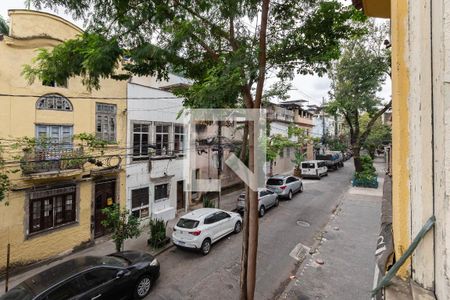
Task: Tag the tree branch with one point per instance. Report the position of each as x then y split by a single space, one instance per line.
262 58
372 121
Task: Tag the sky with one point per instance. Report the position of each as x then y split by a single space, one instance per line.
310 87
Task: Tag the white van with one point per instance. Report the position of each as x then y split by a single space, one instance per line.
314 168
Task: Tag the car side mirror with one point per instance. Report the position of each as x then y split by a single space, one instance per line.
122 273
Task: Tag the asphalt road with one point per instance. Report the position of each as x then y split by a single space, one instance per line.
189 275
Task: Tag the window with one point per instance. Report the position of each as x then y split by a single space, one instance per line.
211 219
161 192
72 288
273 181
221 216
290 179
288 152
308 165
187 223
98 277
53 83
51 208
54 136
139 202
178 138
162 139
106 122
140 141
54 102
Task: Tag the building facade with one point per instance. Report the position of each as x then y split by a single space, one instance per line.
156 148
59 185
420 39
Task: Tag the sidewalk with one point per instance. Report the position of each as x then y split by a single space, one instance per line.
342 264
104 246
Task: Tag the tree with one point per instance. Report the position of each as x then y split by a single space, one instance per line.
379 135
356 78
225 47
122 224
4 28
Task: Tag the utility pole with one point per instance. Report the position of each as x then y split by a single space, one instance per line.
323 117
219 160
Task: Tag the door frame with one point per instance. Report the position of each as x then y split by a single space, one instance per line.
93 207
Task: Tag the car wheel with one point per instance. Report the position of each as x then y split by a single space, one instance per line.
290 195
262 211
301 189
206 246
237 227
142 288
277 202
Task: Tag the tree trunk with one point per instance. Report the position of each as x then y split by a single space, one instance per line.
244 257
253 222
357 158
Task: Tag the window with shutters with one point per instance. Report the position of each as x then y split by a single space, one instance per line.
51 208
162 132
140 202
178 138
54 102
106 121
141 139
54 136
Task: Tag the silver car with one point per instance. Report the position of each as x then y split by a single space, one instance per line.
285 185
266 199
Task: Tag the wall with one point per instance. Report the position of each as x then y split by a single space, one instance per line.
18 116
153 110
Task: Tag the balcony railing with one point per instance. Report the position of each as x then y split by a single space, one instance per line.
280 114
48 160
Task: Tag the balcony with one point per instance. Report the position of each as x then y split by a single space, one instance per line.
280 114
52 160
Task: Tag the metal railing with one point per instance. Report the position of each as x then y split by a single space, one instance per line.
48 160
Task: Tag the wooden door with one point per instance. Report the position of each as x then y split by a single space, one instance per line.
105 195
180 195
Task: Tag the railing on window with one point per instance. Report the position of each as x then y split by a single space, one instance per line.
47 160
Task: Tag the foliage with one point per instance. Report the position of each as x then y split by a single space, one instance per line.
121 223
208 203
379 135
299 157
157 232
4 28
367 177
4 179
356 78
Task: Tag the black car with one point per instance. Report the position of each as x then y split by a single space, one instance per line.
122 275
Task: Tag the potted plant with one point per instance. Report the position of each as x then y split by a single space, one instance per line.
158 238
298 159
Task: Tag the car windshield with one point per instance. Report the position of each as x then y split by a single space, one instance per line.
18 293
187 223
308 165
273 181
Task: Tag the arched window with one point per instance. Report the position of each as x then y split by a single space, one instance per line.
54 102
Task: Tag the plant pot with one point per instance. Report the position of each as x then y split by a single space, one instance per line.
297 172
158 244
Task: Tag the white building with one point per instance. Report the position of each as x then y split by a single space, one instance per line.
155 142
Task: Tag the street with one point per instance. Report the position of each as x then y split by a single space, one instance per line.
189 275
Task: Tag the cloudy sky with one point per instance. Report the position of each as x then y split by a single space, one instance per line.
311 88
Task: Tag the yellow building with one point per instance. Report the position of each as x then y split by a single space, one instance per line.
56 194
420 131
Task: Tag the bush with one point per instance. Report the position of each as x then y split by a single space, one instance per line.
157 232
122 224
208 203
368 176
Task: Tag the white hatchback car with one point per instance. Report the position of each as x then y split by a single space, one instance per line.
202 227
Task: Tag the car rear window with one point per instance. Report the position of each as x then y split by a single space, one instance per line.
273 181
308 165
187 223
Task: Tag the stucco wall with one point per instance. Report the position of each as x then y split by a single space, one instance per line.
18 117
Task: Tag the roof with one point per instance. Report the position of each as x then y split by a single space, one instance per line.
54 275
199 213
278 176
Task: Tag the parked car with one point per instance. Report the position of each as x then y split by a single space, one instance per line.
314 168
121 275
203 227
285 186
266 199
333 159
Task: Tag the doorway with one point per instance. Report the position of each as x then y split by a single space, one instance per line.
180 195
105 195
